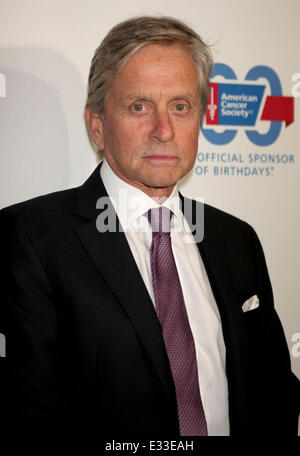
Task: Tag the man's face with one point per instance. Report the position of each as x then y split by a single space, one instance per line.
152 119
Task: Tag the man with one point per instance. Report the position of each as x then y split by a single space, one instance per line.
116 325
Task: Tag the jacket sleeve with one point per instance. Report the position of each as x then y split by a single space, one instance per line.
33 377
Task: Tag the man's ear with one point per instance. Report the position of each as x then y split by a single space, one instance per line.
95 126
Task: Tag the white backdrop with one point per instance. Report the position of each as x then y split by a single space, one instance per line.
45 51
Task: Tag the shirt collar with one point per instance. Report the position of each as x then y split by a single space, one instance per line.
131 203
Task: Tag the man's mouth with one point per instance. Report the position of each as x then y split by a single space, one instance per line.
171 158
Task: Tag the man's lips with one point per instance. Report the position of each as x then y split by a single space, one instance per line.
161 157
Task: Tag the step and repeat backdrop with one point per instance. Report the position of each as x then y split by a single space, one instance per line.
248 159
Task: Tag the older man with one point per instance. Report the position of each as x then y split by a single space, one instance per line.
129 329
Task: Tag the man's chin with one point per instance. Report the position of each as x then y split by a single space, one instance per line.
161 183
159 188
162 178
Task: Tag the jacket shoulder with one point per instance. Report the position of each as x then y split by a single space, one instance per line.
216 219
218 216
45 206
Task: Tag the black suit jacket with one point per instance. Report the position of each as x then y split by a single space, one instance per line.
84 351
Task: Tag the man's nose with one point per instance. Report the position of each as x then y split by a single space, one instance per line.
163 129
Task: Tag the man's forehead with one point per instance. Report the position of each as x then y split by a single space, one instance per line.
155 69
155 57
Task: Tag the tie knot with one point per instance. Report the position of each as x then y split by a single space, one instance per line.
159 219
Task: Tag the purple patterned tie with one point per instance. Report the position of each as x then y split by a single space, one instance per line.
174 321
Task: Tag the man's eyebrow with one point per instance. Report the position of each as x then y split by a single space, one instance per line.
187 97
130 98
144 97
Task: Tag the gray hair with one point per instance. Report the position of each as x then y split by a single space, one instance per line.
127 37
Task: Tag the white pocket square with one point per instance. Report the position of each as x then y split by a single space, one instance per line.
250 304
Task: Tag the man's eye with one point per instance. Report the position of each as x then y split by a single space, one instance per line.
138 107
180 107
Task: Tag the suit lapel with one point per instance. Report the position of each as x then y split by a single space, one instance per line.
216 265
112 256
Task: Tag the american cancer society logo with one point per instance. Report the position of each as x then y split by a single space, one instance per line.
245 106
238 104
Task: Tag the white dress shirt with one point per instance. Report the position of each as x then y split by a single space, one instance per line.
131 204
